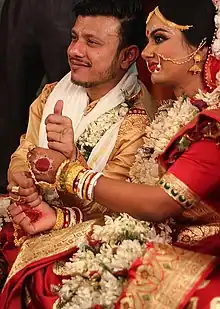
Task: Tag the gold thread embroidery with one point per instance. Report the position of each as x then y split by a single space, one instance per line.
193 303
194 234
46 245
215 303
165 277
204 284
179 191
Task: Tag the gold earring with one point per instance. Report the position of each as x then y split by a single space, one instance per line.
195 69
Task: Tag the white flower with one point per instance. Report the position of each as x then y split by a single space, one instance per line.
96 273
164 127
96 129
217 21
4 203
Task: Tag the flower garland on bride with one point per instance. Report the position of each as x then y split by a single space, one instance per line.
171 117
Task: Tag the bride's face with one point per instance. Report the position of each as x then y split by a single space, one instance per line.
169 43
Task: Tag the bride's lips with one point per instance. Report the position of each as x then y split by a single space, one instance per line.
152 66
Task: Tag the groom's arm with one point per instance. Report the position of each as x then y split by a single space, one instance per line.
18 161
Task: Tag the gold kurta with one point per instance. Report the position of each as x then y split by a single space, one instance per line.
130 136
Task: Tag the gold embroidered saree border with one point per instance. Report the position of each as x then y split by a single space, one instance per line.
165 277
179 191
192 235
47 245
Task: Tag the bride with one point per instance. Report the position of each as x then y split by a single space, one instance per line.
176 175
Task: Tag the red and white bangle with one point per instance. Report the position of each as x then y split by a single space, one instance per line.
82 181
78 214
72 216
92 185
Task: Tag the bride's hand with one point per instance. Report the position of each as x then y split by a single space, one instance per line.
45 217
45 163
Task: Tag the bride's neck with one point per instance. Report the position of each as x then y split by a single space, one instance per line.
190 87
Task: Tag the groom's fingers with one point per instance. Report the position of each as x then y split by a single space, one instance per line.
52 127
27 192
36 202
58 119
58 108
32 197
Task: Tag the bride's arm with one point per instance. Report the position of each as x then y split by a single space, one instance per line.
140 201
192 178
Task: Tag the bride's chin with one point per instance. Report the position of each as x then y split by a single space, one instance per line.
156 78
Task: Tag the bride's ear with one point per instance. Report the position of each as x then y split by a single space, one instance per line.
204 53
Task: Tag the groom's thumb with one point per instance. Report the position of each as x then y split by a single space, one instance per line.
58 108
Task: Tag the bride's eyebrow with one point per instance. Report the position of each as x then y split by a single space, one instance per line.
155 30
158 29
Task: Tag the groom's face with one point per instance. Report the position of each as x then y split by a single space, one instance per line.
93 52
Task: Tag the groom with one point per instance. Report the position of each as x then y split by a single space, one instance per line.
101 99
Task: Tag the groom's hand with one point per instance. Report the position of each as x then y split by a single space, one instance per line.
26 189
60 133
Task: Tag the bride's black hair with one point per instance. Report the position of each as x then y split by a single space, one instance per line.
199 13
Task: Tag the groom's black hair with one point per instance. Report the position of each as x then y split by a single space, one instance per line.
130 13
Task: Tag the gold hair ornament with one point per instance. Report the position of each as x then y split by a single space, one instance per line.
171 24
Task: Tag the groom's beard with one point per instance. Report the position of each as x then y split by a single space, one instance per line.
101 77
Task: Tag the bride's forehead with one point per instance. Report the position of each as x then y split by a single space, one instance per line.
155 23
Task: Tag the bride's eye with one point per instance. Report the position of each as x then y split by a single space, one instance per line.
159 39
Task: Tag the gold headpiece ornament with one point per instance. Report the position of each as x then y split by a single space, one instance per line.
171 24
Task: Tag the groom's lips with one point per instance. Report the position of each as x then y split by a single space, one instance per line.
75 63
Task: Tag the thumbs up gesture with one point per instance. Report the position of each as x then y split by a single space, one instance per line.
60 133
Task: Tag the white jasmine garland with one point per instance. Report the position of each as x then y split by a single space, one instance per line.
96 129
4 203
99 268
167 123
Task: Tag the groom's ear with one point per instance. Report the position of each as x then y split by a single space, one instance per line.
58 108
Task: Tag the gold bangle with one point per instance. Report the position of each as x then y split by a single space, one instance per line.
60 179
18 241
72 172
60 218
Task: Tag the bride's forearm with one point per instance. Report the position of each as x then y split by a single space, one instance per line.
141 201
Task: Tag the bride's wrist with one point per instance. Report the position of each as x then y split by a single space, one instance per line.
66 217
